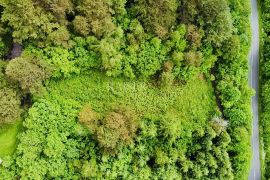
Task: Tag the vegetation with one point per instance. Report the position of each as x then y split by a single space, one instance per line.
110 89
28 72
10 105
8 140
265 88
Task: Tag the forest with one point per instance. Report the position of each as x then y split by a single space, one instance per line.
265 86
127 89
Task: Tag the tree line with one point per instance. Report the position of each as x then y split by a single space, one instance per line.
265 86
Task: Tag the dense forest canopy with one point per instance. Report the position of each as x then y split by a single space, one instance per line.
126 89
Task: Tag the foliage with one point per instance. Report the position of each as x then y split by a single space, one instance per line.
97 15
60 59
33 21
8 138
4 39
149 13
176 132
3 79
232 87
117 129
265 88
218 22
89 118
29 72
10 104
155 57
58 8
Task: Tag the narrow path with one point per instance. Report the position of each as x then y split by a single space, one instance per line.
255 171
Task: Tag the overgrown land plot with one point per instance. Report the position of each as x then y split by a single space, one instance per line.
123 89
265 87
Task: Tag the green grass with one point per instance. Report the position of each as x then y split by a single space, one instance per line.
193 102
8 138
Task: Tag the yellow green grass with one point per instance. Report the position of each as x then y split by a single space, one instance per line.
8 138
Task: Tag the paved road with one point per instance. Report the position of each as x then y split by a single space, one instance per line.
255 171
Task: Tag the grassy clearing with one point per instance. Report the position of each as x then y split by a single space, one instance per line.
8 138
193 101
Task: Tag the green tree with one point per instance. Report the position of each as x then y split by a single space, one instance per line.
218 20
29 72
98 17
30 20
157 16
81 25
59 8
118 129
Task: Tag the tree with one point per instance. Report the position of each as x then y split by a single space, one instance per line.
5 40
194 36
59 8
193 58
118 129
81 25
113 131
30 20
59 37
149 13
218 20
97 14
29 72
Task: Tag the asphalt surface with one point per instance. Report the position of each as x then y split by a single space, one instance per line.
255 171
